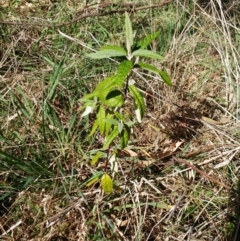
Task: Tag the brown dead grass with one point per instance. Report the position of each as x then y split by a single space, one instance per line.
158 199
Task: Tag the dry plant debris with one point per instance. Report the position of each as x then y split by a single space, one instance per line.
179 178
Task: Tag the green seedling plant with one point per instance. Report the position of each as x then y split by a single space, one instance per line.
109 100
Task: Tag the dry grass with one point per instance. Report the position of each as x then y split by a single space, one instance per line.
183 182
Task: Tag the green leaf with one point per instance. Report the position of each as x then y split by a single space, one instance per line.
111 83
113 121
109 119
152 68
147 54
107 184
102 88
113 99
94 128
139 101
143 43
125 135
108 52
120 127
93 179
124 69
101 119
107 90
129 33
110 138
88 97
166 78
96 157
119 116
99 122
105 86
114 48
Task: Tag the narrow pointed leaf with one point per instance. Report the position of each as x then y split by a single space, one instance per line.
114 48
107 183
148 67
94 128
166 78
108 52
152 68
111 83
124 69
113 99
120 126
109 119
108 90
112 136
93 179
147 54
139 101
116 81
101 119
103 88
144 43
119 116
125 135
129 33
88 97
107 84
96 158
